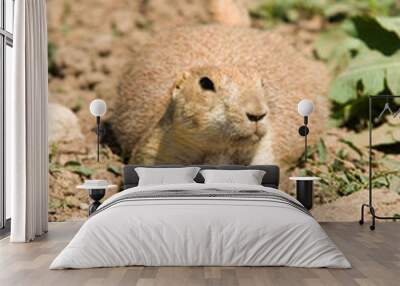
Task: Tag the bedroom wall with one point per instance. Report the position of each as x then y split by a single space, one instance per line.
90 44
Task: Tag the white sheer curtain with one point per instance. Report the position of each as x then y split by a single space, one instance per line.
26 124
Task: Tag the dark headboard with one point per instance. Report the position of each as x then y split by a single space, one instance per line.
271 178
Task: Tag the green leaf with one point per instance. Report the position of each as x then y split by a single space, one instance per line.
370 69
53 151
338 9
55 203
352 146
303 173
327 42
351 188
343 54
391 24
393 78
54 167
379 33
321 147
395 184
82 171
343 89
380 182
337 47
72 163
363 53
115 170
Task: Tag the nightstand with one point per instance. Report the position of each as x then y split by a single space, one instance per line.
304 190
97 190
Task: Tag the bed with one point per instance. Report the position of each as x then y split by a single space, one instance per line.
199 224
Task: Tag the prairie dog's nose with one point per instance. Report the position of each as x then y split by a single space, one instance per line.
255 117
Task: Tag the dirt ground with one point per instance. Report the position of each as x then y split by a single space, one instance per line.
90 41
348 208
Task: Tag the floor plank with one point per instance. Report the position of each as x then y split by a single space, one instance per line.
375 257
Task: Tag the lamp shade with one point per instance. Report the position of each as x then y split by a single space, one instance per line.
98 107
305 107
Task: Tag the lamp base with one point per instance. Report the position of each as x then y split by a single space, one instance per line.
96 195
304 193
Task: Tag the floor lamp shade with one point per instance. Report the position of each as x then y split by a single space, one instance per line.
98 107
305 107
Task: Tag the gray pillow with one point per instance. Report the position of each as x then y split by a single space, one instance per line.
163 176
247 177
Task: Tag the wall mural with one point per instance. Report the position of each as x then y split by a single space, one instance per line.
218 82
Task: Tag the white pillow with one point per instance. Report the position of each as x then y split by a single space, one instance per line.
163 176
248 177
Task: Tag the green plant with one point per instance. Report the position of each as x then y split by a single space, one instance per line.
53 151
275 11
115 31
78 105
77 168
66 12
114 170
345 170
360 43
53 165
51 51
363 54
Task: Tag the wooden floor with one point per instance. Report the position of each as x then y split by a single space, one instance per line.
375 257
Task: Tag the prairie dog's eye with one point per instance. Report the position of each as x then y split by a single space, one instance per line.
207 84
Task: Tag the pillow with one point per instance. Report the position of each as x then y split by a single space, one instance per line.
163 176
248 177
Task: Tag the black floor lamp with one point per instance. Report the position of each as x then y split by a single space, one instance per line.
305 108
96 188
98 108
304 185
370 202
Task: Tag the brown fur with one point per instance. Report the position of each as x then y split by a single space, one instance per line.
162 116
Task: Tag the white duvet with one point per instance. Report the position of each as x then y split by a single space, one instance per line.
200 231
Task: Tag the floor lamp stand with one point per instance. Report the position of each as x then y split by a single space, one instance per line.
370 202
303 131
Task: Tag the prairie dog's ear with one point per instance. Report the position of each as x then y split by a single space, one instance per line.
178 84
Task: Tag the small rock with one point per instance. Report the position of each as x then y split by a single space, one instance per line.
123 21
72 201
90 80
69 192
83 206
103 45
72 61
63 124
